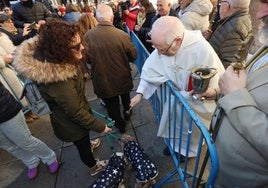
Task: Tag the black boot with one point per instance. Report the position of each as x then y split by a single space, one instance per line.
121 127
166 152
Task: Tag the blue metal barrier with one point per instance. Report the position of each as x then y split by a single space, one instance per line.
188 175
188 171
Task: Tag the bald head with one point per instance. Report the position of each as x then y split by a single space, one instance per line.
104 13
167 28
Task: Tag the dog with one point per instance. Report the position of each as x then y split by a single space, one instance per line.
113 175
145 170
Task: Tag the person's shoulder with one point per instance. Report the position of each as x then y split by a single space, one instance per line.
16 5
172 12
4 39
239 16
120 32
203 7
151 13
38 3
195 39
241 23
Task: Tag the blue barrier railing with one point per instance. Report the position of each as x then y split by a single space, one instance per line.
189 174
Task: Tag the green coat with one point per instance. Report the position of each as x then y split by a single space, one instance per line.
63 88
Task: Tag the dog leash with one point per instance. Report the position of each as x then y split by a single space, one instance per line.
108 138
110 123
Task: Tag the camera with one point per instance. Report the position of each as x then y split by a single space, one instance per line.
124 5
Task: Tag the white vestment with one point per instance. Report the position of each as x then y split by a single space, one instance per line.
195 52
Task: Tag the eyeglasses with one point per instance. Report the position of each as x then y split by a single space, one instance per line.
6 10
224 2
170 45
77 47
162 50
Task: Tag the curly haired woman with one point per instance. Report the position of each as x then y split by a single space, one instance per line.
53 61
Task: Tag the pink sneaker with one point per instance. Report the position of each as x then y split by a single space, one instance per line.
32 173
53 167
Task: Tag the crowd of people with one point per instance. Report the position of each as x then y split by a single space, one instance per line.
179 38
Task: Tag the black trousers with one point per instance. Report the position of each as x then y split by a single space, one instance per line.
83 146
113 107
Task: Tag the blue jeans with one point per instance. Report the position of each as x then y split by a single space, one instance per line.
16 138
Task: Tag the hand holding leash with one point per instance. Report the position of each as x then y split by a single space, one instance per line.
107 129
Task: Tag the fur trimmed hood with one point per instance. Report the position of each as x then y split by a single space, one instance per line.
40 72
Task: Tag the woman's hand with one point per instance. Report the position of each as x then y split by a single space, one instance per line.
107 129
26 31
137 27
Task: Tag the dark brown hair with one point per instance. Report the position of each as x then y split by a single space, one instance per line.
147 5
55 42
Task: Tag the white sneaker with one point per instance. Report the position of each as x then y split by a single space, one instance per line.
100 166
95 143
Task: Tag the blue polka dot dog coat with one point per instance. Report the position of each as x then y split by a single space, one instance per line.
145 170
113 175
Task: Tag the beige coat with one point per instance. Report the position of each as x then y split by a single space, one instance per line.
242 142
15 86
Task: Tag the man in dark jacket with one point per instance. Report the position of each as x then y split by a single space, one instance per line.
110 50
29 11
232 37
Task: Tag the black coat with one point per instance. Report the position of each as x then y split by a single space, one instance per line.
10 107
18 38
29 13
145 28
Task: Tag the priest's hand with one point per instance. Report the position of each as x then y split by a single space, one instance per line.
209 94
135 100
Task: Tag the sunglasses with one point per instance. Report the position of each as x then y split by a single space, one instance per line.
77 47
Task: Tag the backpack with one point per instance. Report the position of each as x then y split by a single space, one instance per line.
36 102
